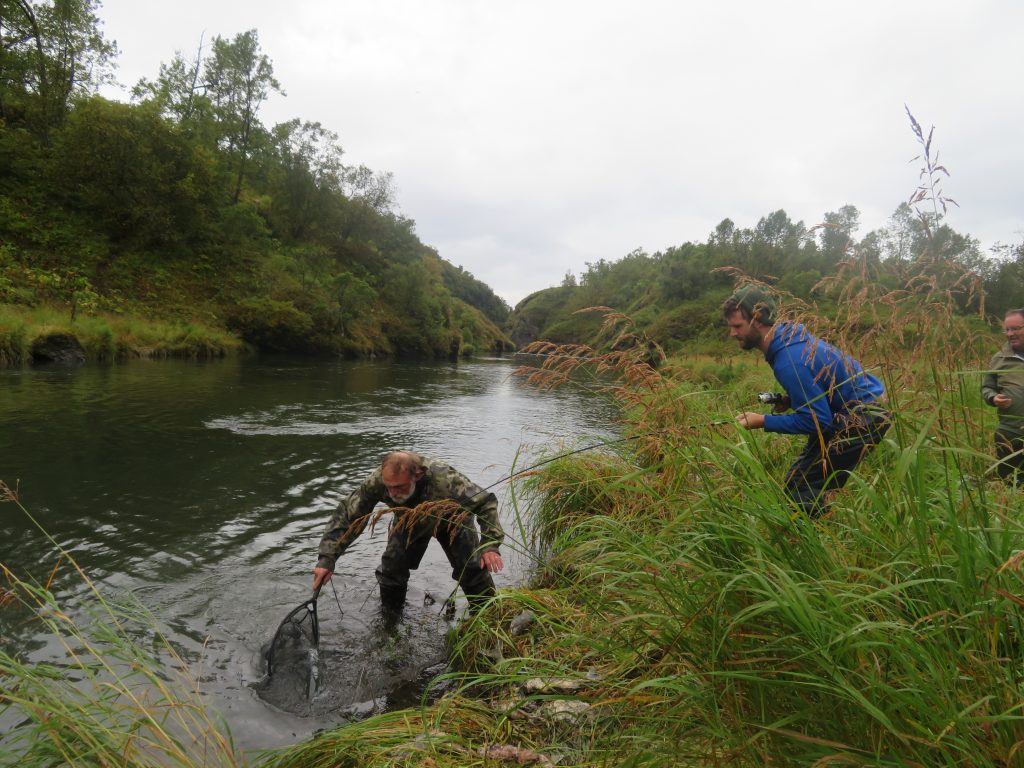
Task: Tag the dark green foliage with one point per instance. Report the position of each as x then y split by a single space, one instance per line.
185 207
466 287
50 53
685 322
674 296
533 315
270 324
138 180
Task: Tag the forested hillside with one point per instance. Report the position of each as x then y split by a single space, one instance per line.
674 295
183 207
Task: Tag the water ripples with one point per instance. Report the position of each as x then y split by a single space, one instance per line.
204 489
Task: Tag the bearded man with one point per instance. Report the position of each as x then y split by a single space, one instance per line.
431 500
834 401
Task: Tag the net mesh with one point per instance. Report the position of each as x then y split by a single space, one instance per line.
293 659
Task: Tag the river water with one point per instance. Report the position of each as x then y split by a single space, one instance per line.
203 488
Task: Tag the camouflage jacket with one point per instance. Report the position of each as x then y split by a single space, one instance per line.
1005 375
439 482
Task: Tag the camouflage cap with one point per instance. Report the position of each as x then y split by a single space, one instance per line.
758 302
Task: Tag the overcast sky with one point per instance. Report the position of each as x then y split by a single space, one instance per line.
529 137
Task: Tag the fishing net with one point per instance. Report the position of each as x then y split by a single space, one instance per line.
293 659
352 668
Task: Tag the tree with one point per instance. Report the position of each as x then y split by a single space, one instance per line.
355 299
307 173
375 190
178 91
135 175
239 78
1004 287
50 52
684 273
837 231
775 247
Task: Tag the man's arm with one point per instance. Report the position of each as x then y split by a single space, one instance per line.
809 401
990 383
491 532
483 505
347 522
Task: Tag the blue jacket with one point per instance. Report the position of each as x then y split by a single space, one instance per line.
820 380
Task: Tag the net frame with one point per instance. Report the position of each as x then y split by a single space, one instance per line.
297 616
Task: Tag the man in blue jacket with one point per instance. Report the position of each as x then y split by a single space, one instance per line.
833 400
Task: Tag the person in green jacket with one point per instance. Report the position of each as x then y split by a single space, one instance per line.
430 499
1003 388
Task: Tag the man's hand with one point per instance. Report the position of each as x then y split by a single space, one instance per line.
1002 401
750 420
782 405
491 561
321 576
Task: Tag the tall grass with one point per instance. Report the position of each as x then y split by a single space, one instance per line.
14 339
700 619
120 695
707 622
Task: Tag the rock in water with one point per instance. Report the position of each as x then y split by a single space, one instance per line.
59 348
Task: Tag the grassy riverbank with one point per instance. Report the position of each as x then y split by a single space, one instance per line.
104 337
685 615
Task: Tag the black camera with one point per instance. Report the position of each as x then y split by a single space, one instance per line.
771 398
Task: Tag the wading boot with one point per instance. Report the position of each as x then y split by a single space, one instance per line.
479 592
392 603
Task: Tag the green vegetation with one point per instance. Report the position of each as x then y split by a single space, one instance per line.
685 613
183 207
674 295
107 337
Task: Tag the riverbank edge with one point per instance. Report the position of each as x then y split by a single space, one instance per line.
44 336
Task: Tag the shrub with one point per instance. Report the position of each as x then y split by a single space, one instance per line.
270 324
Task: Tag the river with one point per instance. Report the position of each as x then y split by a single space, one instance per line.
202 488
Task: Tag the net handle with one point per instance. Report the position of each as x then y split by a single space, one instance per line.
315 620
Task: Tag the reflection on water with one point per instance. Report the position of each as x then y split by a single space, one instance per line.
203 488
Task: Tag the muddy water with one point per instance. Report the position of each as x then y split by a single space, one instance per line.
202 489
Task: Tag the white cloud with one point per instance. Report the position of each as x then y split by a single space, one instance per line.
529 138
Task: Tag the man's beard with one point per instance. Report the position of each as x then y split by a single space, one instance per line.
748 342
404 497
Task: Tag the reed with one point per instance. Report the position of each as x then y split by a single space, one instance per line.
120 695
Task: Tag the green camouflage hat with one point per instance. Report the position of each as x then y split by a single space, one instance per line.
757 302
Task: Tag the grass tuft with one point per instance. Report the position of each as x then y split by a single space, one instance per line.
121 695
